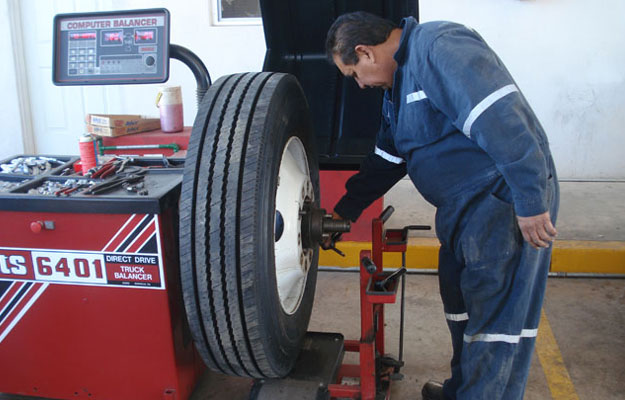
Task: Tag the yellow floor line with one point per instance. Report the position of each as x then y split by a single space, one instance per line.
422 254
586 256
569 256
550 358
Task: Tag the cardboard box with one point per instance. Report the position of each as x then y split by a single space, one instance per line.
136 126
114 120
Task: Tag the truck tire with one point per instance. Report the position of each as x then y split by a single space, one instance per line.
248 284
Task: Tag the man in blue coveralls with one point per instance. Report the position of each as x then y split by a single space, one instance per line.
454 120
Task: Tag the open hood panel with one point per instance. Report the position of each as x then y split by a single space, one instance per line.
345 118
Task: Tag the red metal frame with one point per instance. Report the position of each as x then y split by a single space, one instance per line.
371 341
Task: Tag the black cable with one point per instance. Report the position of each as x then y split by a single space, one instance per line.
191 60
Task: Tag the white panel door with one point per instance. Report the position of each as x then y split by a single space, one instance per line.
58 112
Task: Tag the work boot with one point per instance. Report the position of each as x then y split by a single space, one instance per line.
433 391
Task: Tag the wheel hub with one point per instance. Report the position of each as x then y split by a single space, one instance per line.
317 225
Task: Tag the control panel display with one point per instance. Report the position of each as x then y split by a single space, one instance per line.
122 47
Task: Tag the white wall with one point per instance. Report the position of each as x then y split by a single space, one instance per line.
568 58
10 127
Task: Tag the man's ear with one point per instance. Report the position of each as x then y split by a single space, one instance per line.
365 51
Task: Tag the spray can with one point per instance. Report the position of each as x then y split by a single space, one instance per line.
88 158
169 102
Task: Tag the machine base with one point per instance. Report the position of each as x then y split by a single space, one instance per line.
316 367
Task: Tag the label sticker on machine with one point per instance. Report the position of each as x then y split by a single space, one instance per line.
82 268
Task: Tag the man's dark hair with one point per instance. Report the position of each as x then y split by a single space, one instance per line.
350 30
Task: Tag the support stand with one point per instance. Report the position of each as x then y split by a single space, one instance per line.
319 371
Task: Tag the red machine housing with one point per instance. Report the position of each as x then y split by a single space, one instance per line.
90 302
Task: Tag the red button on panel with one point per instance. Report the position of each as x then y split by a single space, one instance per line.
36 226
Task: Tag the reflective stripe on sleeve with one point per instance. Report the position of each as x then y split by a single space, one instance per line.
484 104
457 317
498 337
388 157
416 96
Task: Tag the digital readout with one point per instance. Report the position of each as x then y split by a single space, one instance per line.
112 37
144 36
82 36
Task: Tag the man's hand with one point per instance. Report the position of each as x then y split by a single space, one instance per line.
538 230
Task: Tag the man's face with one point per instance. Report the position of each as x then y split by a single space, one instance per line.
371 70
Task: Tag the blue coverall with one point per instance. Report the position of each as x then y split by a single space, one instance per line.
456 122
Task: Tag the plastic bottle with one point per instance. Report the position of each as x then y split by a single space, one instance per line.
88 159
169 102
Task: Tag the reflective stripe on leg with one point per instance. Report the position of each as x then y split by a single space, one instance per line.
457 317
500 337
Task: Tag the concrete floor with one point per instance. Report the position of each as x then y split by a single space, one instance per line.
587 317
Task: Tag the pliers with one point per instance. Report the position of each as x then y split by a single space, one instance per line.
70 189
67 190
115 183
105 170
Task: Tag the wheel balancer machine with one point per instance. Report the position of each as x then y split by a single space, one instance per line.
87 313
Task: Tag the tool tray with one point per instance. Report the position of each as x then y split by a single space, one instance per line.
377 296
396 240
9 183
162 179
396 236
65 162
26 180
